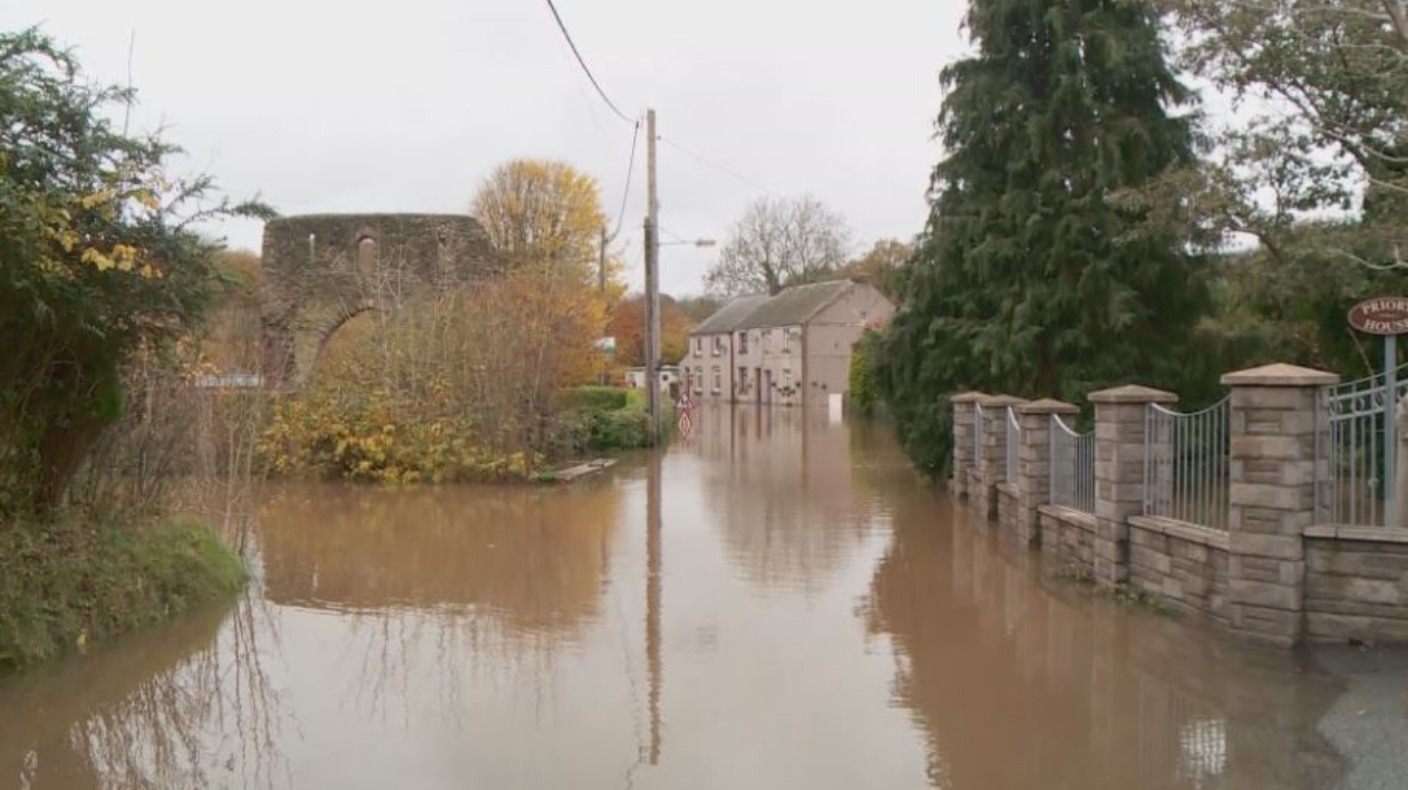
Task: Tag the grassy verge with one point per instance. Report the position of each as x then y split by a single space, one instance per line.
66 585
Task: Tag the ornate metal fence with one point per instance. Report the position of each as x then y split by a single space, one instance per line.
979 436
1072 467
1186 465
1014 446
1355 491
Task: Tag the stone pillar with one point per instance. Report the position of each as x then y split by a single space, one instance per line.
1034 464
995 445
1273 474
1119 474
963 407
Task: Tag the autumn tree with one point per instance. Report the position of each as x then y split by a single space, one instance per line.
98 262
628 327
698 308
1029 279
882 266
777 243
539 211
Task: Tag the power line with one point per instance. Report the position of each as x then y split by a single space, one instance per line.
563 27
703 160
630 168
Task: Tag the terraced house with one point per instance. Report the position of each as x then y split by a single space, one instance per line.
792 349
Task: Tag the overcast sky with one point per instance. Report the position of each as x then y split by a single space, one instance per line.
406 106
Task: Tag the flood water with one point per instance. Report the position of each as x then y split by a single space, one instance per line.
776 602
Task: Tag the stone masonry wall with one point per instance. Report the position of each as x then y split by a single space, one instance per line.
1068 537
1176 564
1272 575
320 270
1009 508
1356 589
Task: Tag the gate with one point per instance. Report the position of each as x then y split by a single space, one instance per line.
1359 489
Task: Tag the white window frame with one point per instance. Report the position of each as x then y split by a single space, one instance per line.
718 380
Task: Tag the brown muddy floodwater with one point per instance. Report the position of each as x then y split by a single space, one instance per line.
776 602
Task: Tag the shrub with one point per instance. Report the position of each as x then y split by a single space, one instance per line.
595 398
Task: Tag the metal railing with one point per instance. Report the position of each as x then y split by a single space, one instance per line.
1186 464
979 431
1072 467
1355 492
1014 445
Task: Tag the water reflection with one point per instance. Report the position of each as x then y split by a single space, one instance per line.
186 706
1020 681
776 603
534 558
793 499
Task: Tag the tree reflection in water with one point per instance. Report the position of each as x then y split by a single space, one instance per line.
145 712
434 583
1021 681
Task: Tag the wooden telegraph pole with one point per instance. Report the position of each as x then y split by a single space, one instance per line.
652 285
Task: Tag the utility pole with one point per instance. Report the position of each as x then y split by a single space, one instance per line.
652 285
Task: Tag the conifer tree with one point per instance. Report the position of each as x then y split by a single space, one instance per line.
1031 277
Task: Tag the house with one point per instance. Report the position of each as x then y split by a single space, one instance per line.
791 349
669 377
708 364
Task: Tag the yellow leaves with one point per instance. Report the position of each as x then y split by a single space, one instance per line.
122 257
90 202
67 239
543 211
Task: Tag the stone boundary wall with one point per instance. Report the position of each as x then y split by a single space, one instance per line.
1068 536
1356 586
1009 508
1183 565
1273 575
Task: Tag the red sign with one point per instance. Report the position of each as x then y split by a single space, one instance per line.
1382 315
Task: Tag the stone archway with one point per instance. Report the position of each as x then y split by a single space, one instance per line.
320 270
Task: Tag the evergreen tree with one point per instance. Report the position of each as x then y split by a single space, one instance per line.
1031 277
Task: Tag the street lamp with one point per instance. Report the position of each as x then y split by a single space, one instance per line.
695 243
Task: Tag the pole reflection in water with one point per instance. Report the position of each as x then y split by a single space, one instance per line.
834 622
653 581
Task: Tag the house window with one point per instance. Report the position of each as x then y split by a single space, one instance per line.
718 380
742 378
699 346
786 378
698 380
786 341
743 342
718 345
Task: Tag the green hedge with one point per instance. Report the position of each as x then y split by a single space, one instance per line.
595 398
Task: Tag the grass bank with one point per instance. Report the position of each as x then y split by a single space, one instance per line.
67 584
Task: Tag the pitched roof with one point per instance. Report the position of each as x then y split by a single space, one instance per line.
794 305
728 317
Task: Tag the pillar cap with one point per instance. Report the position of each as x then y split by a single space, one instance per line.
1280 375
998 401
1048 406
969 397
1132 393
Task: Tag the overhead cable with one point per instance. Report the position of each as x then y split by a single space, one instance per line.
563 27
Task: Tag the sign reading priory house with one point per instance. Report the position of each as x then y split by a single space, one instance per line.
1381 315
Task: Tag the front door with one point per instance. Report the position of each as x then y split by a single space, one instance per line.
767 385
758 386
